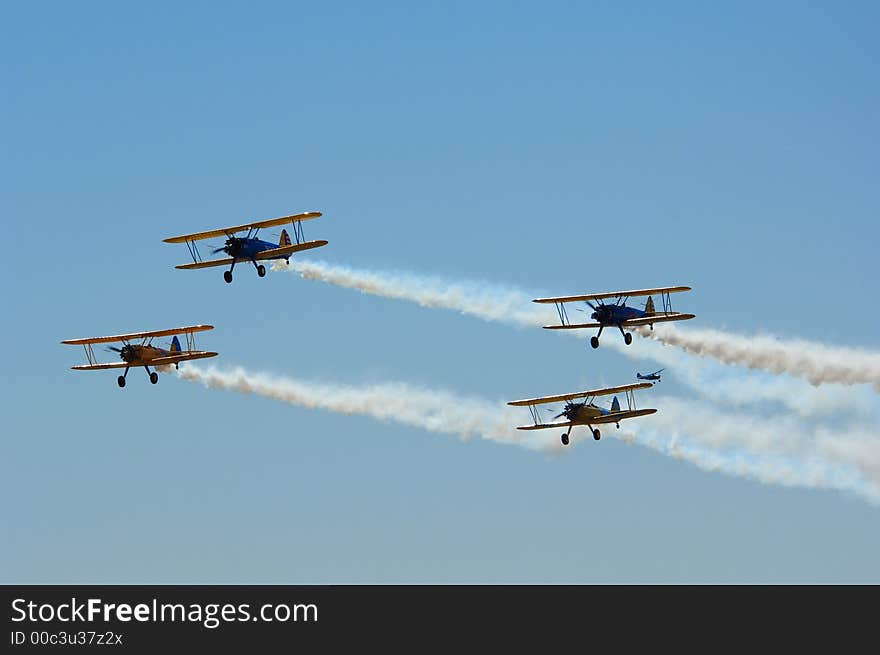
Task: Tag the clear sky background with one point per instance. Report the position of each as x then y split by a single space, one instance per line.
556 147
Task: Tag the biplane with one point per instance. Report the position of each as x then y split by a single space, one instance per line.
249 248
655 376
618 314
137 350
585 412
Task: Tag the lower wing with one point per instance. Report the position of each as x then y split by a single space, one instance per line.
181 357
272 253
99 367
614 417
658 318
212 262
544 426
158 361
572 326
284 251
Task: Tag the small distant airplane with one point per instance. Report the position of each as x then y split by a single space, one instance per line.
651 376
143 353
618 315
249 248
585 412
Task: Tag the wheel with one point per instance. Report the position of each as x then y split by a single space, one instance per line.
628 338
564 439
154 377
227 276
120 381
261 270
594 341
596 434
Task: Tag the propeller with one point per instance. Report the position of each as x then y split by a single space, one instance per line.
126 353
232 247
566 411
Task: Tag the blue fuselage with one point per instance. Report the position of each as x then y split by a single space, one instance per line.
616 314
244 249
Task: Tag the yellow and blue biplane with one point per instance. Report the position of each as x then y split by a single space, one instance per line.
585 412
249 248
655 376
618 314
144 353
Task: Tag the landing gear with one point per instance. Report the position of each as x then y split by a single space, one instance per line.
594 341
120 381
565 438
261 270
227 275
627 338
154 377
596 434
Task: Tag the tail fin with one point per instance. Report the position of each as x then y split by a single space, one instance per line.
615 405
175 345
649 306
285 238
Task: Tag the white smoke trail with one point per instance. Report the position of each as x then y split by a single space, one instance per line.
816 362
699 438
431 410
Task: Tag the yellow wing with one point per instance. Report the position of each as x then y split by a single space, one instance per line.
659 318
157 361
612 294
614 417
209 263
283 251
272 222
598 420
580 394
266 254
98 367
139 335
181 357
544 426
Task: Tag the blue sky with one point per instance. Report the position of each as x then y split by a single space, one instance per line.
556 147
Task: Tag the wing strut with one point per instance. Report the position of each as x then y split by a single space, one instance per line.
563 315
194 251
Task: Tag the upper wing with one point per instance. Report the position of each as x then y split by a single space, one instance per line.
579 394
656 318
272 222
283 251
612 294
614 417
140 335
